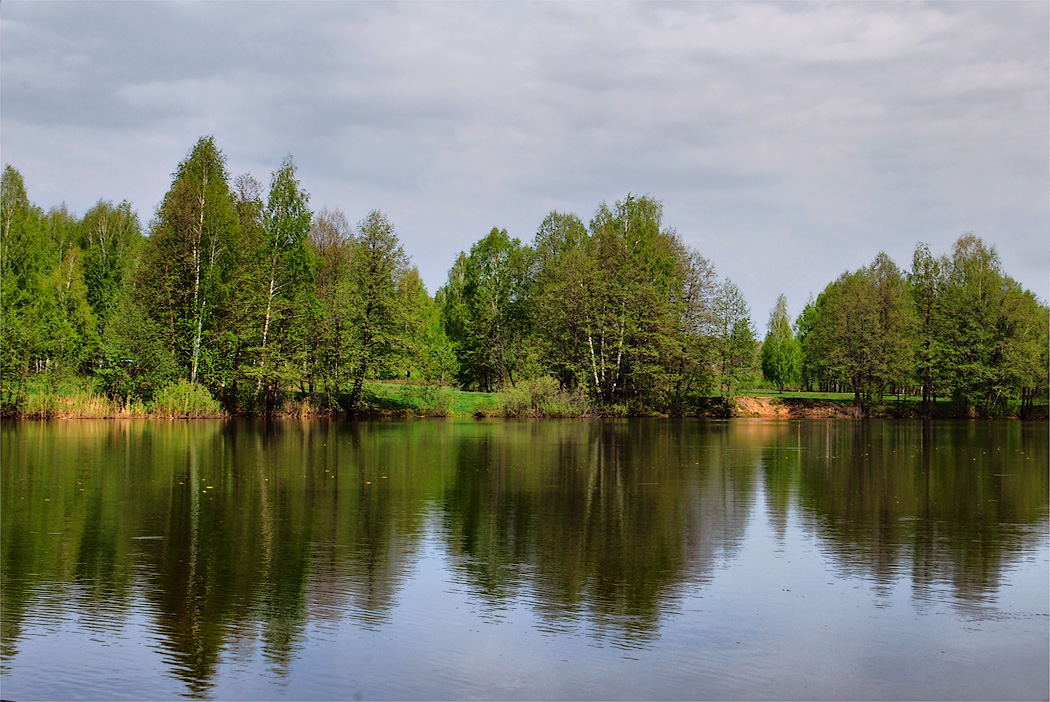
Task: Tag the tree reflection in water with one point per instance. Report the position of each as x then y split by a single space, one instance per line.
237 536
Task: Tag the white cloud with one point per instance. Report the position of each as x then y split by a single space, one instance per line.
788 141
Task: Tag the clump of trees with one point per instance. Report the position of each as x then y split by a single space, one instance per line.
619 309
955 327
244 294
238 290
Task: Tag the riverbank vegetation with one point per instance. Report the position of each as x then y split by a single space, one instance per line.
239 299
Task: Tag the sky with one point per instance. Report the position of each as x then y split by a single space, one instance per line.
788 142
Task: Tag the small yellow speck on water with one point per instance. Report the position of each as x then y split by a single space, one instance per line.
47 499
209 487
368 482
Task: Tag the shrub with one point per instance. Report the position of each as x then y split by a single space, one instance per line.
540 397
438 403
185 399
43 405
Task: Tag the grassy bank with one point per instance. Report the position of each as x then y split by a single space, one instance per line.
539 398
181 400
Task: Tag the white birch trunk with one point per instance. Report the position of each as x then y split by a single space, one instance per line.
594 365
198 307
266 331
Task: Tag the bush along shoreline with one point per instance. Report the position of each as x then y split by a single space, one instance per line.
539 399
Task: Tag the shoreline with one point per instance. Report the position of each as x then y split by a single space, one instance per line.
745 406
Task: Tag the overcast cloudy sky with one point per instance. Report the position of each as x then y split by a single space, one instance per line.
788 142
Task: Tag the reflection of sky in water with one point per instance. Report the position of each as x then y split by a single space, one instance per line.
776 619
771 598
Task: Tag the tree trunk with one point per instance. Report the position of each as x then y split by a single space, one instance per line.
198 304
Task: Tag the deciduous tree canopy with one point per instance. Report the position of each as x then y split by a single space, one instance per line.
245 292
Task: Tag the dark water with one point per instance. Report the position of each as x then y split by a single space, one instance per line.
563 559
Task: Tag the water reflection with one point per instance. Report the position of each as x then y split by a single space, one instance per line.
942 503
234 537
596 520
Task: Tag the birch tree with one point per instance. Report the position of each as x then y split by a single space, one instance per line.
287 281
331 240
192 244
110 237
23 261
634 319
734 338
698 323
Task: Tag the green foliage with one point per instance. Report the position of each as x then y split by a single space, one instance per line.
633 319
184 283
808 370
330 240
620 309
540 397
781 355
249 295
734 339
435 357
982 337
561 291
25 258
185 399
378 295
693 376
110 237
486 302
135 361
427 399
438 402
280 275
862 331
927 284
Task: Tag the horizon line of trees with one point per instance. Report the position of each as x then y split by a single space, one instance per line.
246 292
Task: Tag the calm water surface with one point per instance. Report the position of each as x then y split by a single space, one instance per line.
558 559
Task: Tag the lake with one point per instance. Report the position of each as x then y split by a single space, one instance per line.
582 559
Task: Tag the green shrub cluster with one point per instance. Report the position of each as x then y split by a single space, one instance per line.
539 397
185 399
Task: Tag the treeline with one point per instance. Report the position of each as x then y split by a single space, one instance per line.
243 297
955 327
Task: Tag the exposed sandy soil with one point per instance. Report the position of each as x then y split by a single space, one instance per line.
789 408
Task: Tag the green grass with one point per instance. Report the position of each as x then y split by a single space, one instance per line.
830 396
414 398
76 398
